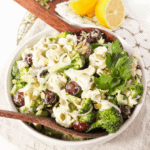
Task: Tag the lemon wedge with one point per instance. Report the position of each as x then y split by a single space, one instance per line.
84 7
110 13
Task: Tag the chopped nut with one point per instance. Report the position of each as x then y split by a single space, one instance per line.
34 97
77 102
45 45
103 96
105 72
43 95
70 55
62 116
79 46
29 93
97 106
100 57
62 102
33 102
92 85
36 84
54 47
60 51
85 47
83 50
57 104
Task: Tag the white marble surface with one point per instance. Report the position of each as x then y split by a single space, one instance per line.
12 134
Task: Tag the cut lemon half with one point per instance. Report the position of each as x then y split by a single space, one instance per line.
84 7
110 13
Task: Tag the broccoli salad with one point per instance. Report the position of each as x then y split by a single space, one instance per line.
81 80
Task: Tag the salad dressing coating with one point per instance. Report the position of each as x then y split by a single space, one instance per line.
102 77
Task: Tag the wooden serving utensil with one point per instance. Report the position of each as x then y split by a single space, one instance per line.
48 122
50 18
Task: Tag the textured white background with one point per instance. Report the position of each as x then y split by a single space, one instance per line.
11 15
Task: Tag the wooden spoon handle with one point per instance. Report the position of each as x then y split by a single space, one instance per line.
47 16
20 116
47 122
30 118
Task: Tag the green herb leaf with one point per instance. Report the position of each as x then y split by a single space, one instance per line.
120 64
103 82
116 47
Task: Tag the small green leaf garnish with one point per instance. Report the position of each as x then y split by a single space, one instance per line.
120 64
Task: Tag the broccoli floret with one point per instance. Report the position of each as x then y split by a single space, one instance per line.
113 100
15 72
26 75
136 89
35 104
37 126
89 118
60 35
76 63
85 106
59 135
75 100
26 71
19 83
64 34
109 119
13 90
33 107
42 113
39 101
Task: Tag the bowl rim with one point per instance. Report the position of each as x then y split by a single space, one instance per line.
52 140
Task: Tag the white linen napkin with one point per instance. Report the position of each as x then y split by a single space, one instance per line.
135 137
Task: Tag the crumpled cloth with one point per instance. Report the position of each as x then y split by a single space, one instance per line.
135 137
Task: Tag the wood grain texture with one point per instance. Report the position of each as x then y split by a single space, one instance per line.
46 15
50 18
48 122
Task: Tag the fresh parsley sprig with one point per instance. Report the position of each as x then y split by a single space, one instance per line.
119 63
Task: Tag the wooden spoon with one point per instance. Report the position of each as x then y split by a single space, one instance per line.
48 122
50 18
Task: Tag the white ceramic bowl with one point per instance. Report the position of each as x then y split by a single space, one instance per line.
62 143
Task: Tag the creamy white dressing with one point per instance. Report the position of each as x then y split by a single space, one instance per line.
50 56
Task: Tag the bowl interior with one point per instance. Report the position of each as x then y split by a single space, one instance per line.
34 40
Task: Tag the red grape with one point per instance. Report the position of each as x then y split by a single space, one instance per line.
28 59
18 99
80 126
50 97
95 35
73 88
